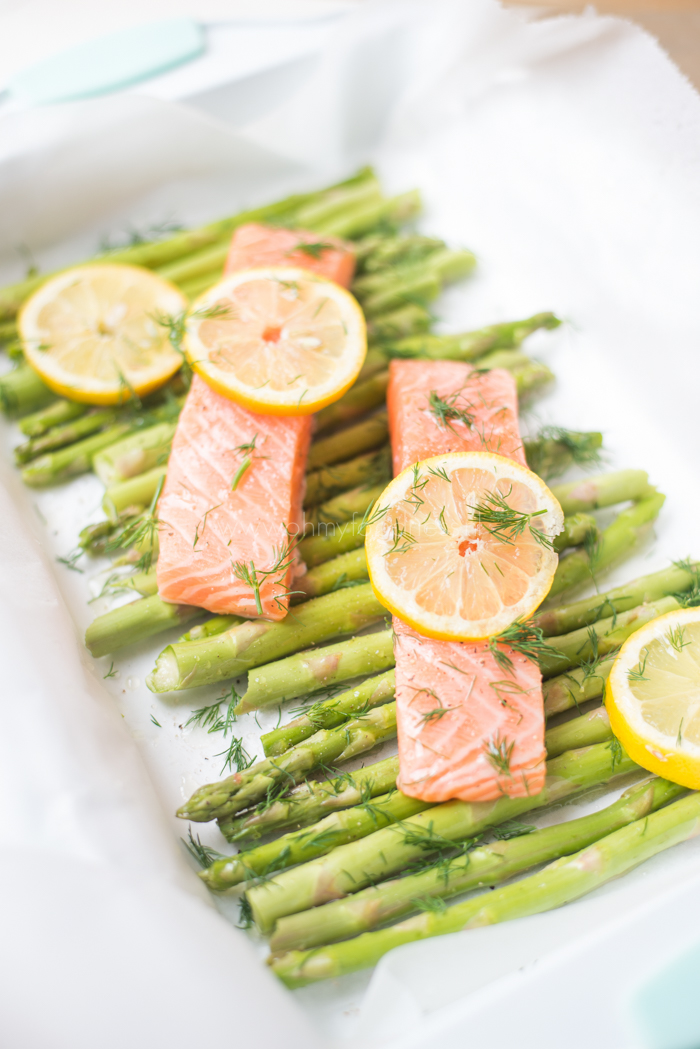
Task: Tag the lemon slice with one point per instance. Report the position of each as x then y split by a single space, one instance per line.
653 696
93 332
280 340
459 546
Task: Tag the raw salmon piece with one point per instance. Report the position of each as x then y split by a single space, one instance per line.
467 728
417 432
254 246
206 527
491 740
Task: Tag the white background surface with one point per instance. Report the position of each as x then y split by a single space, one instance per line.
565 154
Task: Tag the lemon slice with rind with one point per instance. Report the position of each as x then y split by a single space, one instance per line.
653 696
280 340
99 333
460 546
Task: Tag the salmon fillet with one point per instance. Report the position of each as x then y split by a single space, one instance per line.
468 727
205 528
254 246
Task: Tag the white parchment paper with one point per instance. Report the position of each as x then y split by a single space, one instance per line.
565 153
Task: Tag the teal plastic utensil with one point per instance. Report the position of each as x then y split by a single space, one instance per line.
110 62
667 1008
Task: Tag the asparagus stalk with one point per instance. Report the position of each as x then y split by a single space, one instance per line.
378 251
368 469
594 493
330 713
368 215
334 204
616 541
213 626
378 855
197 264
360 398
470 345
340 828
348 506
136 491
599 639
676 579
56 414
94 538
577 529
134 454
144 583
73 460
392 288
312 800
257 642
586 730
343 571
322 668
68 433
135 622
375 361
554 450
485 865
362 437
243 789
332 541
22 391
396 324
576 686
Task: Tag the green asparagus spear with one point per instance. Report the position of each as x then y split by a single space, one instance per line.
257 642
56 414
71 461
243 789
197 264
336 203
424 281
592 728
340 828
360 398
213 626
133 455
348 506
331 541
343 571
362 437
378 251
368 469
554 450
594 493
136 491
312 800
676 579
330 713
22 391
615 542
396 324
68 433
367 216
382 853
470 345
577 529
576 686
568 650
135 622
484 865
323 668
144 583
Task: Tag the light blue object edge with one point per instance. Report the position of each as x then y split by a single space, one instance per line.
110 63
666 1009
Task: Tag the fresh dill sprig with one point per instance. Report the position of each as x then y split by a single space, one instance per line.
197 535
371 515
245 914
110 673
447 412
441 473
616 752
142 531
133 235
544 451
499 753
505 523
403 541
254 577
511 829
155 722
676 638
637 674
314 249
203 854
430 904
523 637
235 754
71 559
